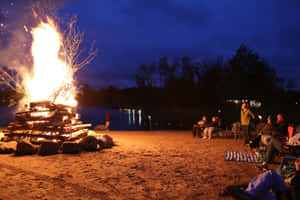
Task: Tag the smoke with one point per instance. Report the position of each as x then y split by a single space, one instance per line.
14 40
17 18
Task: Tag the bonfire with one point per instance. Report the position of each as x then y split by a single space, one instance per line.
49 104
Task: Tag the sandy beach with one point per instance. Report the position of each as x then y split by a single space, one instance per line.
143 165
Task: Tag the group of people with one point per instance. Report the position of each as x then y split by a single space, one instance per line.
272 137
206 127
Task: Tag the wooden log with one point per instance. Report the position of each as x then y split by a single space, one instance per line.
20 135
79 126
106 141
42 114
89 143
66 107
28 115
47 124
48 127
41 129
45 103
44 117
70 147
8 147
69 125
48 148
26 148
78 135
18 126
52 115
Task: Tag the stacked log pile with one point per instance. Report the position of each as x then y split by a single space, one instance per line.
45 120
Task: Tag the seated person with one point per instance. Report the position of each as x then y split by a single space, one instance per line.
294 141
273 143
197 128
276 131
264 134
275 146
280 128
267 128
210 128
259 187
203 121
236 129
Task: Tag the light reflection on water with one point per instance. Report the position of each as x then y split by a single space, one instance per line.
129 117
125 119
132 117
140 117
121 119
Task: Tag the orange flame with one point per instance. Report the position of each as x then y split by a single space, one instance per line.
52 78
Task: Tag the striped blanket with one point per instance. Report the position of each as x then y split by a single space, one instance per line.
241 157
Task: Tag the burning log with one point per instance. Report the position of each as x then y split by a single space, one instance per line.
47 120
55 117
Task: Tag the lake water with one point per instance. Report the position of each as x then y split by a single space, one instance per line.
119 119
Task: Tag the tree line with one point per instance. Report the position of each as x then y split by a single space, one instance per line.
186 83
245 74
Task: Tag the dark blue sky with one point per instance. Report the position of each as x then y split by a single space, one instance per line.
132 32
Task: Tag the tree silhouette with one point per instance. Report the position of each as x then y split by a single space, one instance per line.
212 76
164 70
249 75
145 75
291 84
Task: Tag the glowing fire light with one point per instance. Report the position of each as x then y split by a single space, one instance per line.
52 79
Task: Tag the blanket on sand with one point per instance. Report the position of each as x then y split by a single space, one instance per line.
241 157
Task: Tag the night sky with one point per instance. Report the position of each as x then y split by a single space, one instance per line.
133 32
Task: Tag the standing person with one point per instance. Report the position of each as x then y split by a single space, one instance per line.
107 120
246 116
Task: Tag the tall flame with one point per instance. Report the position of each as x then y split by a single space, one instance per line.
52 79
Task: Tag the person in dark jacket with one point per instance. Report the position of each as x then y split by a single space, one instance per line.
277 131
280 129
274 144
